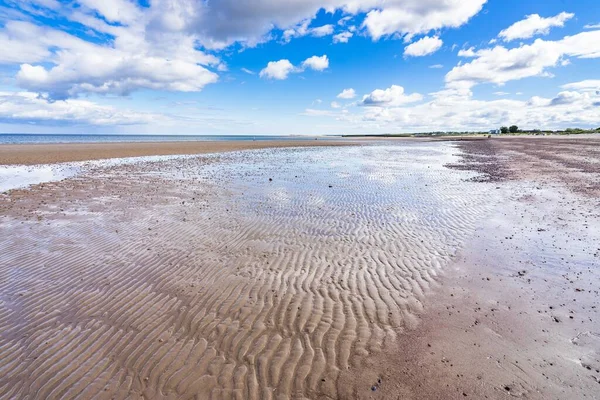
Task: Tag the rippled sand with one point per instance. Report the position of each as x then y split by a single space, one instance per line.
262 274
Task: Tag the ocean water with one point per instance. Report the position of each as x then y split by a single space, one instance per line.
10 138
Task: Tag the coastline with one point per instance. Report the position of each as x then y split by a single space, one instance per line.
35 154
53 153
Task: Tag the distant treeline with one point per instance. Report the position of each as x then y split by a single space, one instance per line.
507 131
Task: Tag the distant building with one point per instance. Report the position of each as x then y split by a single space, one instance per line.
495 131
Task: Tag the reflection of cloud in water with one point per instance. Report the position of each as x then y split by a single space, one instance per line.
19 176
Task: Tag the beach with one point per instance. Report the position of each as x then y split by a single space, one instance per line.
308 270
33 154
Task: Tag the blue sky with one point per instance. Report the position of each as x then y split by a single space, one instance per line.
297 66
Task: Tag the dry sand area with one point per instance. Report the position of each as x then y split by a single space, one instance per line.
395 270
32 154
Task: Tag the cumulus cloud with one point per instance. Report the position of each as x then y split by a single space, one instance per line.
467 53
392 96
112 74
63 65
534 25
342 37
592 26
20 42
219 24
303 29
281 69
565 98
157 46
411 17
321 31
26 107
317 63
456 109
347 94
499 65
423 47
122 11
592 85
277 70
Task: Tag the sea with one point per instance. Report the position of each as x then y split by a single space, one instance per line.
11 138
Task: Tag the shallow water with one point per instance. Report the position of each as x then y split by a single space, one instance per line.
23 176
258 274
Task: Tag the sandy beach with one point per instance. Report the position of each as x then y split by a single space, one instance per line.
391 270
33 154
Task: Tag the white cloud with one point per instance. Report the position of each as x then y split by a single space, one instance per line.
108 73
321 31
566 98
26 107
592 85
156 47
423 47
501 93
392 96
277 70
534 25
302 29
317 63
456 109
342 21
413 17
335 104
592 26
220 23
342 37
436 66
281 69
114 10
347 94
248 71
20 42
499 65
467 53
64 65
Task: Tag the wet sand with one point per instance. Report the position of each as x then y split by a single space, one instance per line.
516 313
384 271
33 154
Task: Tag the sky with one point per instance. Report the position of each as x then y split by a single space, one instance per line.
301 67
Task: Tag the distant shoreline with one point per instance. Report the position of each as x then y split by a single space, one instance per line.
474 134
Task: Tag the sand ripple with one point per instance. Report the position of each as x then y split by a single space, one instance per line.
188 279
